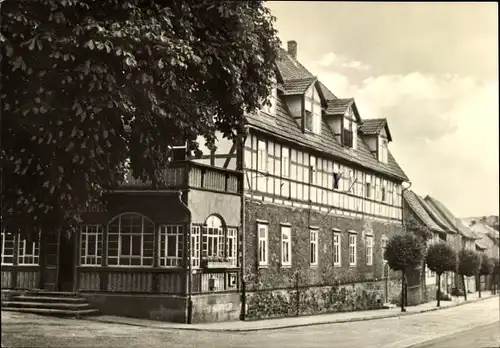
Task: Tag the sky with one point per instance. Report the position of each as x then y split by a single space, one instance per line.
431 69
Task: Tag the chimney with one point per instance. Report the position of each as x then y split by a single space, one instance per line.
292 48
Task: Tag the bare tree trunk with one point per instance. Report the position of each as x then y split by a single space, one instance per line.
479 285
438 295
463 285
403 292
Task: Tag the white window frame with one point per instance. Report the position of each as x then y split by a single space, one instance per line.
314 247
168 234
383 245
353 249
369 250
213 237
232 246
93 257
285 162
23 258
4 256
263 245
119 259
262 156
286 245
195 246
337 248
384 156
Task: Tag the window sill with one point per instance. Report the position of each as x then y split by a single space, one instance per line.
263 266
314 266
352 265
337 265
286 266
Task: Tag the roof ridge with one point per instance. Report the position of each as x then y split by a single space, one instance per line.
376 119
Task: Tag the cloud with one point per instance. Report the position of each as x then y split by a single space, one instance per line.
331 59
356 64
445 132
327 59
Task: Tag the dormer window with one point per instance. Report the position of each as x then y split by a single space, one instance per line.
312 111
383 152
270 108
349 134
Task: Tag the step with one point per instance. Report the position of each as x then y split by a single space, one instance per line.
48 299
57 312
52 293
53 305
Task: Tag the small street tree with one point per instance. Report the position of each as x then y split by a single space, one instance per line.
485 269
440 258
496 275
404 252
468 266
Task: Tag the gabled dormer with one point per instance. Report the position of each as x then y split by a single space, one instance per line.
377 136
343 118
305 101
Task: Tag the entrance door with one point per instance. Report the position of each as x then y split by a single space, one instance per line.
66 263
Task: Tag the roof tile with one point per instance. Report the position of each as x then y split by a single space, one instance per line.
372 126
298 86
416 205
338 106
450 219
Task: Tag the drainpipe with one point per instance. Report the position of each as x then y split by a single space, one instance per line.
241 159
189 268
403 206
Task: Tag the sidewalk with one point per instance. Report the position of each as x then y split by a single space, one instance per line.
281 323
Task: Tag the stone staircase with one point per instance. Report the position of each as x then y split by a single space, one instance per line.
64 304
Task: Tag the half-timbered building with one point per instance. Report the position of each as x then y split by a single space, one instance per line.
290 219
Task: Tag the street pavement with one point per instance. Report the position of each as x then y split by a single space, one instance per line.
481 337
27 330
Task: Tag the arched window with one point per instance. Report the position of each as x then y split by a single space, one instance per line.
130 240
217 240
213 237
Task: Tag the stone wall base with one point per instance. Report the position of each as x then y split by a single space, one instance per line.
262 304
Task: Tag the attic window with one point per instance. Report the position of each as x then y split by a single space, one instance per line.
349 134
383 152
312 111
272 99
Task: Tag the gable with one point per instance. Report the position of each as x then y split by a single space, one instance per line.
383 133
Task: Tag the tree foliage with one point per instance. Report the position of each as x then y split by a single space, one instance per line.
496 268
441 258
89 84
468 262
404 252
487 265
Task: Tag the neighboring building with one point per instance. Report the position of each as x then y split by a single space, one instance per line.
465 238
489 238
487 243
322 194
417 219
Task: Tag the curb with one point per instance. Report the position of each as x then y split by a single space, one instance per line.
334 321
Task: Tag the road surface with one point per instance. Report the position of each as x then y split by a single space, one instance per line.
26 330
480 337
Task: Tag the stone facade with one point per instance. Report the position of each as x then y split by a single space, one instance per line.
272 291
